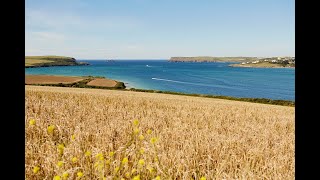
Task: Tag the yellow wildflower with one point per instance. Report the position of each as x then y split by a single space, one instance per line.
74 159
157 178
73 137
149 131
153 140
98 165
111 154
57 178
141 162
36 169
108 162
99 156
65 175
136 131
60 148
79 174
125 160
202 178
127 175
135 122
32 122
116 169
141 151
87 153
51 129
141 137
136 177
133 171
122 179
60 163
151 169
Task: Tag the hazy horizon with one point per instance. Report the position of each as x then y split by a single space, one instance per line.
140 29
104 59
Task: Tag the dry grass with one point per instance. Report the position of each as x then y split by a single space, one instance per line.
214 138
47 79
102 82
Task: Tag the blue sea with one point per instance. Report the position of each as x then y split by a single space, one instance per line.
215 78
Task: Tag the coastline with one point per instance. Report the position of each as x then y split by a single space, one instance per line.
39 66
146 85
249 62
246 66
123 86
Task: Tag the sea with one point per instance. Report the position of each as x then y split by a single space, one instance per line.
212 78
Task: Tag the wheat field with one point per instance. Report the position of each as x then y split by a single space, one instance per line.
76 133
49 79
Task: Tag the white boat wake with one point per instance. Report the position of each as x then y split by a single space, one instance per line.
159 79
198 84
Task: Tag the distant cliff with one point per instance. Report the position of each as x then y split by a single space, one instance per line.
211 59
46 61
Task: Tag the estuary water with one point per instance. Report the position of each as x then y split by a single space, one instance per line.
216 78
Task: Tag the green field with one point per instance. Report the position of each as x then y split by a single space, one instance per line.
44 61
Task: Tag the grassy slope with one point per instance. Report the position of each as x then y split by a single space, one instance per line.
39 61
218 139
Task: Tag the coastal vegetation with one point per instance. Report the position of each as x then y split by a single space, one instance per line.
254 100
102 82
76 133
46 61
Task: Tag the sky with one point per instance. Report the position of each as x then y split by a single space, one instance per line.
159 29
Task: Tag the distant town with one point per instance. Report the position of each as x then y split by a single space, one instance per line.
275 60
267 62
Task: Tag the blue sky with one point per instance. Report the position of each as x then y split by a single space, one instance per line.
159 29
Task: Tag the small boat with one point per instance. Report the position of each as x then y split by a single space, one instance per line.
111 60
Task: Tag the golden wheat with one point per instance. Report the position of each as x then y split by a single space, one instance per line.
91 134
